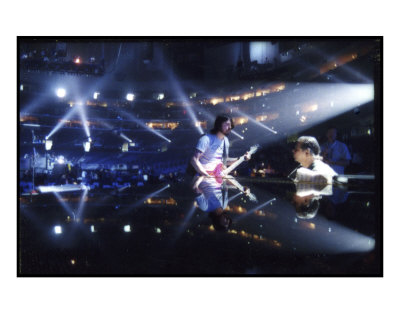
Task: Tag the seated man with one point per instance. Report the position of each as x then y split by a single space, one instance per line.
311 169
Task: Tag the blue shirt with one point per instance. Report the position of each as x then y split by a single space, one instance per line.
336 151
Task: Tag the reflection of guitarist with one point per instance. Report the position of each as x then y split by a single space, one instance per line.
212 150
212 197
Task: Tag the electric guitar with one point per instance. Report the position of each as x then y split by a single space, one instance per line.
220 167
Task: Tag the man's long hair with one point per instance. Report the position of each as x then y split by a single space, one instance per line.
218 123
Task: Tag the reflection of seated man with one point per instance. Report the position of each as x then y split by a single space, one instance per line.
307 196
335 153
307 206
312 169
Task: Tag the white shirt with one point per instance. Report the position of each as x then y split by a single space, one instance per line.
212 148
318 173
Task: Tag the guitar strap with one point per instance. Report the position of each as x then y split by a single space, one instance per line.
225 153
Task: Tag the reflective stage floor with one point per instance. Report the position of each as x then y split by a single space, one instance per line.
165 229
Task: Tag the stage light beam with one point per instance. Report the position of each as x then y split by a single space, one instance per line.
142 124
61 123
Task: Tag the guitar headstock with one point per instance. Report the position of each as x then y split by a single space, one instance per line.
253 149
252 197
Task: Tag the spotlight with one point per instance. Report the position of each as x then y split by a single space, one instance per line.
130 97
96 95
86 146
60 159
61 92
124 147
127 228
48 144
77 60
21 87
57 230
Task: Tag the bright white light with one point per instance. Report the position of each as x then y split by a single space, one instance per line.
96 95
92 229
62 188
125 147
48 144
158 230
21 87
160 96
57 229
86 146
61 92
60 159
130 97
127 228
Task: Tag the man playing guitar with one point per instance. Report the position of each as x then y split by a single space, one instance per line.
212 150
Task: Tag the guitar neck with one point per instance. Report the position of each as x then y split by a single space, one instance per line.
233 165
234 182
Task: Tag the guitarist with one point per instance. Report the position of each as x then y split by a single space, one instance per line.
213 149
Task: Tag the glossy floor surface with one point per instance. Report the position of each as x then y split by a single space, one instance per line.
165 229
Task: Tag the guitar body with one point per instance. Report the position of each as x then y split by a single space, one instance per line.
220 167
217 173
